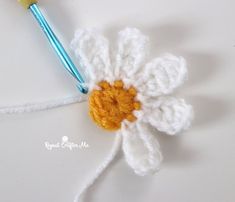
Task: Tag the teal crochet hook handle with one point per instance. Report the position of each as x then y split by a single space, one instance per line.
59 49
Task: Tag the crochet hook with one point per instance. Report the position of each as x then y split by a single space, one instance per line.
59 49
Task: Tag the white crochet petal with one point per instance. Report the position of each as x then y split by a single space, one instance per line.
162 75
169 115
130 53
141 149
92 49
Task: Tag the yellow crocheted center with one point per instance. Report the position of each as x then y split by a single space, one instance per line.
111 104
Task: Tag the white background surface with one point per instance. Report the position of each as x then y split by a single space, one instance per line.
198 166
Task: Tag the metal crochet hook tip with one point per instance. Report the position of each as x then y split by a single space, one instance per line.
83 89
59 49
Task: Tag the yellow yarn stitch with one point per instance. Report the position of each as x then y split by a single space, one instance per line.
110 105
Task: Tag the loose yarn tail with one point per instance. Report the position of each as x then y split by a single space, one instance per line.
100 170
41 106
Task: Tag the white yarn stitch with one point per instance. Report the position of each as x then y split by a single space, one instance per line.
93 49
162 75
130 53
141 149
169 115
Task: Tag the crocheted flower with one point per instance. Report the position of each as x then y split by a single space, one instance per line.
128 93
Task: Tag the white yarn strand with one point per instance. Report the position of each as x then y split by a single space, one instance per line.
41 106
100 170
